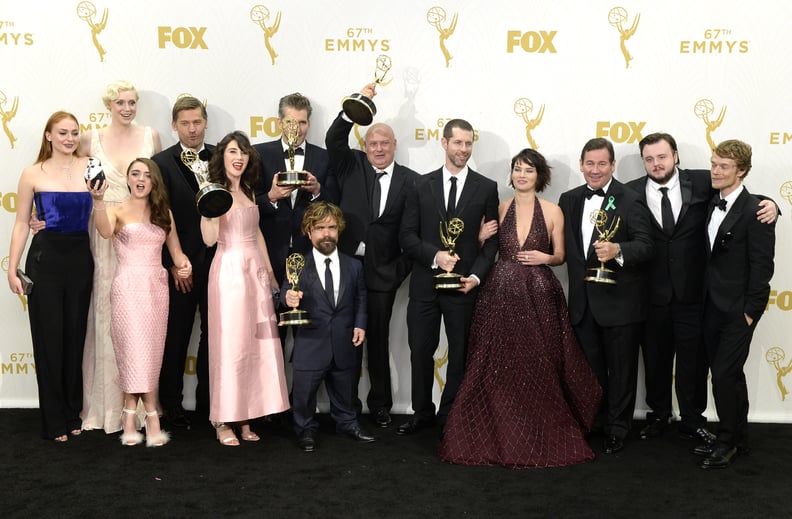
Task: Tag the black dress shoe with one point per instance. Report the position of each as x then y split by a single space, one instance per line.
705 449
359 435
700 434
654 428
413 425
177 418
720 458
307 440
382 418
612 445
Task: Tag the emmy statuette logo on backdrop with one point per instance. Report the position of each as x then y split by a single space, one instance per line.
774 356
703 109
617 17
6 114
524 107
786 191
436 16
260 15
86 10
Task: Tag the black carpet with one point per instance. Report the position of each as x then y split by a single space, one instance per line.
194 476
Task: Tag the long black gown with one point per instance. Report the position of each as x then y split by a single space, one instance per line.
529 396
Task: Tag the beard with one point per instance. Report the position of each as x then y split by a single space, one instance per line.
327 246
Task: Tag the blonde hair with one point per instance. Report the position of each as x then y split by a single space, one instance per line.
114 89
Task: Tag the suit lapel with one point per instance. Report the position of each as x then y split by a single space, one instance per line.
397 181
436 185
732 217
686 187
471 186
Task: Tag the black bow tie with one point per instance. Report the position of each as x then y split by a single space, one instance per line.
591 192
297 151
204 155
720 204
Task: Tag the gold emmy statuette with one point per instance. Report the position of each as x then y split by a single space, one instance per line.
212 200
603 274
294 317
449 232
359 108
291 132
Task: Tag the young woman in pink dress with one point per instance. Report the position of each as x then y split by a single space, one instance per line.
246 376
139 293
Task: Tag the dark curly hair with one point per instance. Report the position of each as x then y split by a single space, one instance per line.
217 172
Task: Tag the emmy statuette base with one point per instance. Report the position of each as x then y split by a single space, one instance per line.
448 281
294 317
292 178
601 275
359 108
213 200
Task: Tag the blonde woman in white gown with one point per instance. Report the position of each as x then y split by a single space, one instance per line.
116 145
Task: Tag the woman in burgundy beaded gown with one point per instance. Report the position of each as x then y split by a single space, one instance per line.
529 397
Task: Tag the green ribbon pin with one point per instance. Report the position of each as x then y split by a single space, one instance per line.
610 205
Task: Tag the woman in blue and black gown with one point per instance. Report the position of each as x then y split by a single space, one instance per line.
60 265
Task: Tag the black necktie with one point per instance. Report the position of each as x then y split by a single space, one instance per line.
329 283
377 194
451 199
720 204
297 151
204 155
666 213
591 192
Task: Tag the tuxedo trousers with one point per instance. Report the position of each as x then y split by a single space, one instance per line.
673 330
612 352
727 338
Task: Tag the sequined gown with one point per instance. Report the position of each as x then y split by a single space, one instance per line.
139 302
528 397
102 397
246 375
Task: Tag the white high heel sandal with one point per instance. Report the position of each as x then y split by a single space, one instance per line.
155 440
133 438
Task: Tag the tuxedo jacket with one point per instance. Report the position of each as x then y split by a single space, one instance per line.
385 263
328 339
626 301
282 225
677 270
740 264
420 230
182 187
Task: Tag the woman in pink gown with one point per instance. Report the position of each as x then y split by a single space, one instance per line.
246 375
529 397
139 294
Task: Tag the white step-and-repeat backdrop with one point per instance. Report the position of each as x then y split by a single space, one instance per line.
548 75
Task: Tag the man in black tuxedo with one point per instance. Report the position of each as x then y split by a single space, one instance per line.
736 288
189 121
281 208
333 292
374 190
608 318
453 191
679 202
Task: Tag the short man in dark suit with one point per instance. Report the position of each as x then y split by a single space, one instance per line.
679 201
608 318
736 288
453 191
281 208
189 121
333 292
374 190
